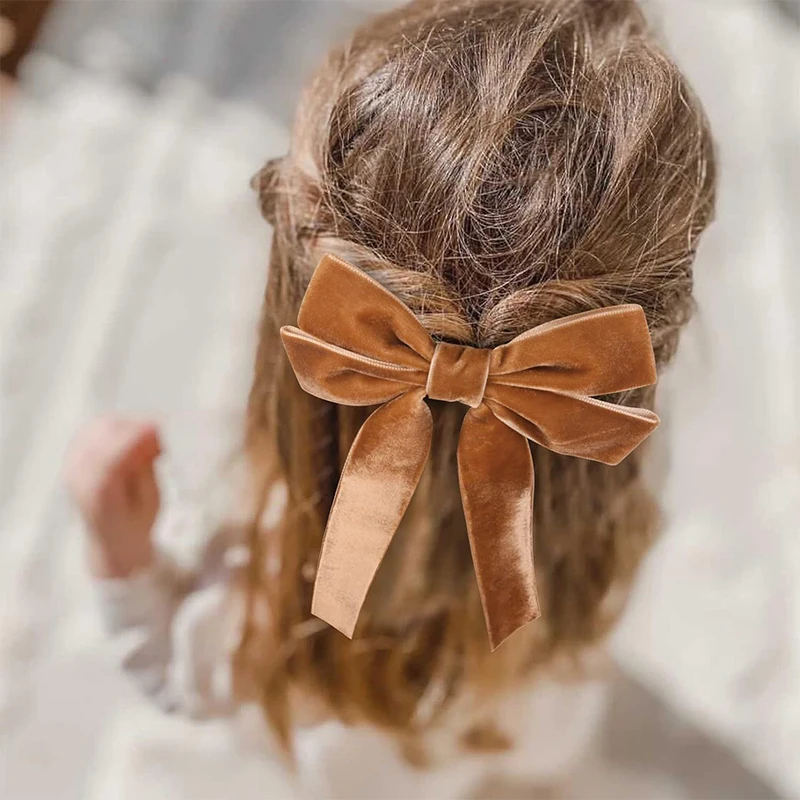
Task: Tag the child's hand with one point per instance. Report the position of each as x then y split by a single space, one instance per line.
110 474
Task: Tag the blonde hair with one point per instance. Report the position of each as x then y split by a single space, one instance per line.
496 164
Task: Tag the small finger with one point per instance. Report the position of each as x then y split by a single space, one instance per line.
144 491
104 455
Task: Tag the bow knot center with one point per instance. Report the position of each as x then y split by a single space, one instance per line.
458 374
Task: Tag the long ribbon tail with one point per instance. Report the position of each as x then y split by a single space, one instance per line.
495 471
379 477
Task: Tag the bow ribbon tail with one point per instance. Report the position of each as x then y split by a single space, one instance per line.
495 471
381 472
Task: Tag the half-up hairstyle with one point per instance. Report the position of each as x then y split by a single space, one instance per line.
496 164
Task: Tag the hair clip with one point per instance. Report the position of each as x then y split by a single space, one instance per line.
357 344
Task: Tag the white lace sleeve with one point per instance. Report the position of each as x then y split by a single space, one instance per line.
174 628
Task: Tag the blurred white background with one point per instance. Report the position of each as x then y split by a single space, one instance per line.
132 263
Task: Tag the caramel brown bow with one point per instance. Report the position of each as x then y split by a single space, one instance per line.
358 345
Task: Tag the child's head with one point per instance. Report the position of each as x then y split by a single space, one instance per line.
495 164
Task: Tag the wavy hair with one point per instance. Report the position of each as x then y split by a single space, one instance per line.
496 164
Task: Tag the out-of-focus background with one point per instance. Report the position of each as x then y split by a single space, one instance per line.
132 263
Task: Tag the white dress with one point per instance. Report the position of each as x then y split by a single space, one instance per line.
175 628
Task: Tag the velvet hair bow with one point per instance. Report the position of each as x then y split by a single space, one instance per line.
357 344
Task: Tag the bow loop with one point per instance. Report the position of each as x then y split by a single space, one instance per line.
341 376
358 345
595 352
345 308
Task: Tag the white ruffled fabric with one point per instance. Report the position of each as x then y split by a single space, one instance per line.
173 632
